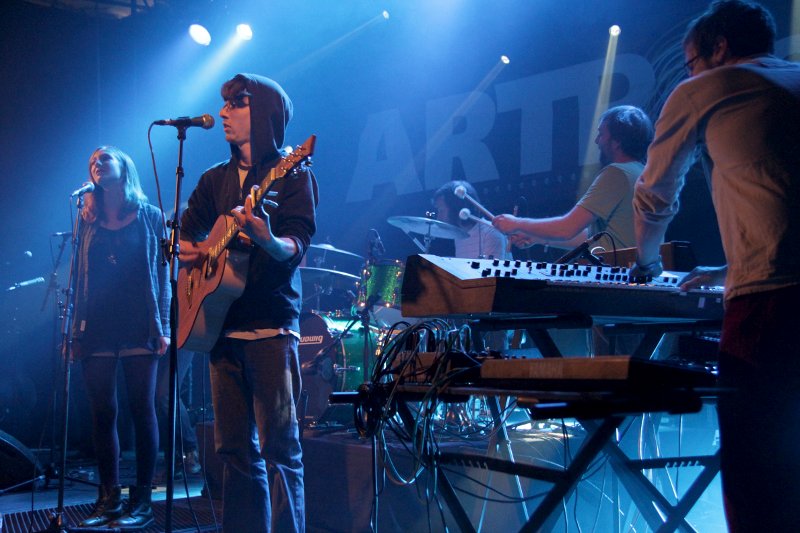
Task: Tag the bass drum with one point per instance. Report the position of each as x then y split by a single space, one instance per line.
330 360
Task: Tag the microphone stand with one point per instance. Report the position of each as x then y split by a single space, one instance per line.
59 310
57 520
172 251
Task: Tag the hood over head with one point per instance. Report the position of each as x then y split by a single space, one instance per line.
270 113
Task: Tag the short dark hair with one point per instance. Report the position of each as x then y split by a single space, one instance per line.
235 87
747 26
631 127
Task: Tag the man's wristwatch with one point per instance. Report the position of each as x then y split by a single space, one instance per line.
645 273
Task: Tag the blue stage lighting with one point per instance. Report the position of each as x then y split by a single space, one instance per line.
200 34
244 31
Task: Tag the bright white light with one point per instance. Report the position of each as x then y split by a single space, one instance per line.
614 30
200 34
505 60
244 31
385 14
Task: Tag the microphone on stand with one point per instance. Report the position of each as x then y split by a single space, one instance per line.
86 187
376 248
204 121
581 249
34 281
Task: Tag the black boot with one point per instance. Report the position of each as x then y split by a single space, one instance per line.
140 510
107 509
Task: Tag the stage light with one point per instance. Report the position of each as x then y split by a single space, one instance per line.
199 34
244 31
505 60
614 30
385 14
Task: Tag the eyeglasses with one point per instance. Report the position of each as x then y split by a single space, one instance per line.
235 103
689 65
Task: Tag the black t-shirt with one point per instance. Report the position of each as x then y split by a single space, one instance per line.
117 306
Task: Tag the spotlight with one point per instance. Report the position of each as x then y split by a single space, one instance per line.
385 14
614 30
200 34
244 31
505 60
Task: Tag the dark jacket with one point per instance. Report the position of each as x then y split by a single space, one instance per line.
272 294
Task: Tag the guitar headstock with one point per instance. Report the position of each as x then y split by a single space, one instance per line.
300 156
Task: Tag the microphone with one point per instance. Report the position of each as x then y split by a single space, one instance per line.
204 121
86 187
376 244
581 249
63 234
27 282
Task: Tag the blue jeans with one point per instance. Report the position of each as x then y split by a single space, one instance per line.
254 385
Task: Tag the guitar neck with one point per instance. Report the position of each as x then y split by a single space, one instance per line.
257 197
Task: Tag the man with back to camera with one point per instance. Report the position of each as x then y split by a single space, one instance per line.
739 112
623 135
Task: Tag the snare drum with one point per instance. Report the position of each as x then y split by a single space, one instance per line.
330 361
379 288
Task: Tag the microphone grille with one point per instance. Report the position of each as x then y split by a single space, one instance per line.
208 121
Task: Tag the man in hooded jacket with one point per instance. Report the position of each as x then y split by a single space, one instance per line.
255 373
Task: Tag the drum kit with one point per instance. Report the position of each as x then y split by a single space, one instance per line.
346 316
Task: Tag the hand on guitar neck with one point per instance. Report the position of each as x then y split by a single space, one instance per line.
259 231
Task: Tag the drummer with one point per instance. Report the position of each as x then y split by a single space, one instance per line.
484 241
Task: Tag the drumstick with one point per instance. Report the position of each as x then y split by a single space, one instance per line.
466 214
461 192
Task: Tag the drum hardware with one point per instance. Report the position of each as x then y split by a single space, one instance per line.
325 281
379 290
429 228
326 248
329 356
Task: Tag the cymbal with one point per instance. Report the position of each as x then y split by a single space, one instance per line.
315 275
329 248
428 226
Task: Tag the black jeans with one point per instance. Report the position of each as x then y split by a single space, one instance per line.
760 422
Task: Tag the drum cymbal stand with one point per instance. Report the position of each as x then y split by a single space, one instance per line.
427 238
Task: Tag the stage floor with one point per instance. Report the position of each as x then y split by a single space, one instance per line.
339 488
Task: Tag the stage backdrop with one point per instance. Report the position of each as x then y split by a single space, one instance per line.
401 104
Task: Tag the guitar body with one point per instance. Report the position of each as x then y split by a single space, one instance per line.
206 291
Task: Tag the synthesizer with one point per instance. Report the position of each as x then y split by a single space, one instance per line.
494 288
592 373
